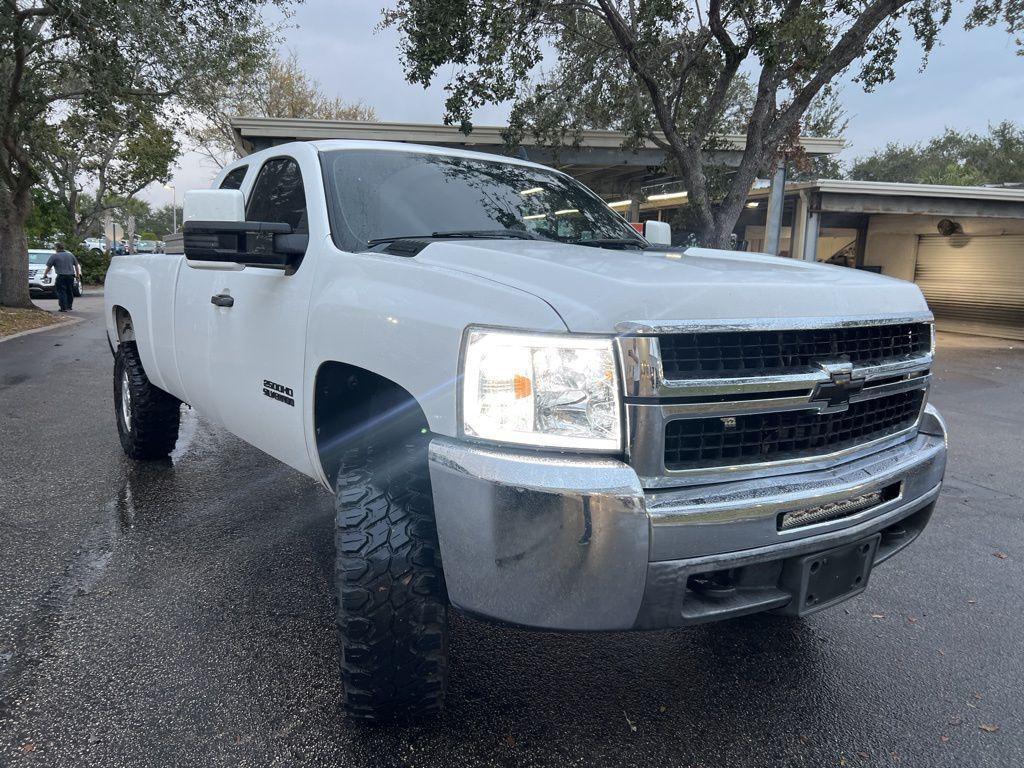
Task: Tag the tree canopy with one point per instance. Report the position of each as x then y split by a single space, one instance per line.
666 72
60 59
954 157
95 160
279 87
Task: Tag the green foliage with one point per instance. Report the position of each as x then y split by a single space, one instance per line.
278 87
113 153
666 72
148 235
94 265
84 70
158 221
954 157
49 221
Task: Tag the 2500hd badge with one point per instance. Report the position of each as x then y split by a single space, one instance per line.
279 392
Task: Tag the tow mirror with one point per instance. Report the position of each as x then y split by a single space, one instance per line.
658 232
213 205
215 230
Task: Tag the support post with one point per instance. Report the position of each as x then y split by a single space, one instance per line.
862 242
811 234
634 207
776 203
799 225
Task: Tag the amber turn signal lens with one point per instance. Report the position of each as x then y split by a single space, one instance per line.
522 386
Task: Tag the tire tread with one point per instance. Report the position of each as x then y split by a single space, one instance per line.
392 603
156 415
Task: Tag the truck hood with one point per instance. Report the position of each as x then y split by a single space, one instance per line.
604 291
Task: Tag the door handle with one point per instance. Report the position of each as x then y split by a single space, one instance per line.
222 300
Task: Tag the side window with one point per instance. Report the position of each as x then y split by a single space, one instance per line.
234 179
278 195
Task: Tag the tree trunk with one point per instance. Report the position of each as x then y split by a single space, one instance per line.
14 211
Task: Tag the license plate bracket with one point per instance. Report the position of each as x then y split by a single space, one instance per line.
825 578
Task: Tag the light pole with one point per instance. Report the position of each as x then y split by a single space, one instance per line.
174 208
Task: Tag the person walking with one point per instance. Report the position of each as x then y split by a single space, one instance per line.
64 263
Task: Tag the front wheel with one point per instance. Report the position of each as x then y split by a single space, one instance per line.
392 602
147 417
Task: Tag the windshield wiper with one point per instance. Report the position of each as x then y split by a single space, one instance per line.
612 242
481 234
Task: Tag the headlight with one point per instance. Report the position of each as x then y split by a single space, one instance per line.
548 391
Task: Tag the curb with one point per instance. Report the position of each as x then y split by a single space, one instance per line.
62 324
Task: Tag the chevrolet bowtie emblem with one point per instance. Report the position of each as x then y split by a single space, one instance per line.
834 395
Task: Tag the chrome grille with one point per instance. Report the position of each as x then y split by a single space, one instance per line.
758 437
795 408
745 353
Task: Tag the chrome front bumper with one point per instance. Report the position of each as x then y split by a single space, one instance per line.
578 544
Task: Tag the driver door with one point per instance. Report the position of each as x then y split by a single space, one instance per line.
259 327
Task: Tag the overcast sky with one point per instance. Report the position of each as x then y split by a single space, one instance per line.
974 79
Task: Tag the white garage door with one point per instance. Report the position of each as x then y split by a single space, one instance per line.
974 284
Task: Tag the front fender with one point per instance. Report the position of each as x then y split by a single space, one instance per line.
405 321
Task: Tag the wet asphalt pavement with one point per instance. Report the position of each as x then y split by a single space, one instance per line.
181 614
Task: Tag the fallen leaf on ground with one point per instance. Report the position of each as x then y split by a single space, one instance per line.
510 740
877 615
972 601
943 739
629 722
912 619
989 727
28 747
955 720
1000 555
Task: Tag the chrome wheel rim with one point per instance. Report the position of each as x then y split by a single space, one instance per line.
126 401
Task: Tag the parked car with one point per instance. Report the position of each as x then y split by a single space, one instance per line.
526 410
44 287
96 244
146 246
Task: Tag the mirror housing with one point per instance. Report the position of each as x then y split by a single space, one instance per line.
213 205
658 232
215 230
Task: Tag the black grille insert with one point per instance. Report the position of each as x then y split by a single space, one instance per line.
756 437
759 353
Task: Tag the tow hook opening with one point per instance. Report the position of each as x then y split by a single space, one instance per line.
714 584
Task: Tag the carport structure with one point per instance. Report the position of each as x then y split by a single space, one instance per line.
963 245
625 177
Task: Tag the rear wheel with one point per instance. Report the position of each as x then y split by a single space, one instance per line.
392 603
147 417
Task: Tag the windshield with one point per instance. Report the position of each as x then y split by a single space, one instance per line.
384 194
38 257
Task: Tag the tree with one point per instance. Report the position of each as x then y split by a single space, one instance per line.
663 71
950 158
279 88
160 221
825 117
98 159
62 57
48 222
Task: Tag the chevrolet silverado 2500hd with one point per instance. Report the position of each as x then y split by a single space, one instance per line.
526 410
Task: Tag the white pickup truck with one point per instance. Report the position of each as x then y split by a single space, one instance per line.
527 411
